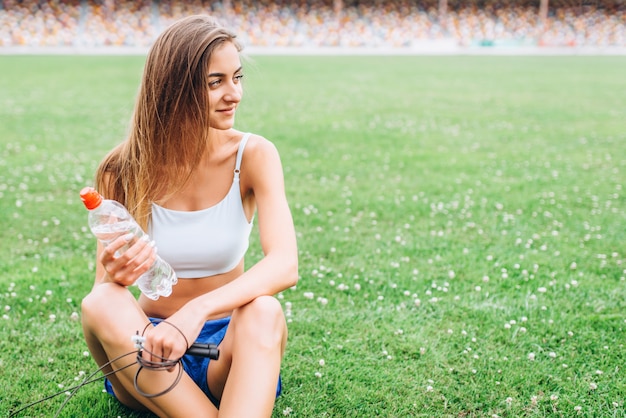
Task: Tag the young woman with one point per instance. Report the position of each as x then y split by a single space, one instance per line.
195 184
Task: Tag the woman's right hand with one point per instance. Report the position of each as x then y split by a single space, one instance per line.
126 268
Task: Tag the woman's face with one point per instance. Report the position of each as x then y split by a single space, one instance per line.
225 89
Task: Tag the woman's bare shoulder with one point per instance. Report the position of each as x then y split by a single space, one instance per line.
259 147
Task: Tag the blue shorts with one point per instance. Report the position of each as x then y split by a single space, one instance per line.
196 367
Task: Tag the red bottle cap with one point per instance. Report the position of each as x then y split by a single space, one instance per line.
90 197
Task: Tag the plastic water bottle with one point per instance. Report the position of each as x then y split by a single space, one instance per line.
109 220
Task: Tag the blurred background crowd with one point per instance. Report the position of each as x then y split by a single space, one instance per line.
315 23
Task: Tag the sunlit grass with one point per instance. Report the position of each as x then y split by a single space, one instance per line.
461 224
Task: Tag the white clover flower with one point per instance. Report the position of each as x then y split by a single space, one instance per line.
531 356
593 386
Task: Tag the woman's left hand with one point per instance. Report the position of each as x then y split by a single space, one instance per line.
171 338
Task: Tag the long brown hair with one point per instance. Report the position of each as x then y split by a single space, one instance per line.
169 128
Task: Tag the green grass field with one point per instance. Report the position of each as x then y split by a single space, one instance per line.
461 225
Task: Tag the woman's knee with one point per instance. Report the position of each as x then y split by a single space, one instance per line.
101 298
107 311
263 321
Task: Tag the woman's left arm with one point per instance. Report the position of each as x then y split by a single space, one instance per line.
278 269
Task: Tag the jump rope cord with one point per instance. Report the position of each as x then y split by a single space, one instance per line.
164 364
83 383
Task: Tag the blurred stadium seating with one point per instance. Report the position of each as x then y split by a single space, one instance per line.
318 23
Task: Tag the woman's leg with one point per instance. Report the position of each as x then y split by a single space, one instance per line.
246 375
111 315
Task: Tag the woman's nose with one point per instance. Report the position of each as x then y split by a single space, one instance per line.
234 93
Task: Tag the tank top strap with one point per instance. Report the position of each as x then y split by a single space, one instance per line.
242 145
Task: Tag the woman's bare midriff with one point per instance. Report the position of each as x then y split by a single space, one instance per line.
186 290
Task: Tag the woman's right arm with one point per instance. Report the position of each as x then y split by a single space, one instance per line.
129 266
136 260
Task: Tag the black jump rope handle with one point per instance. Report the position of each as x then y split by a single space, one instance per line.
204 350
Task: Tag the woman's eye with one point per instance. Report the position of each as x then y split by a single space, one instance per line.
214 83
238 77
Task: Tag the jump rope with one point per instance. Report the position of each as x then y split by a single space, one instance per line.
196 349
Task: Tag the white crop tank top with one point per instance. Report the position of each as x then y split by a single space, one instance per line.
205 242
